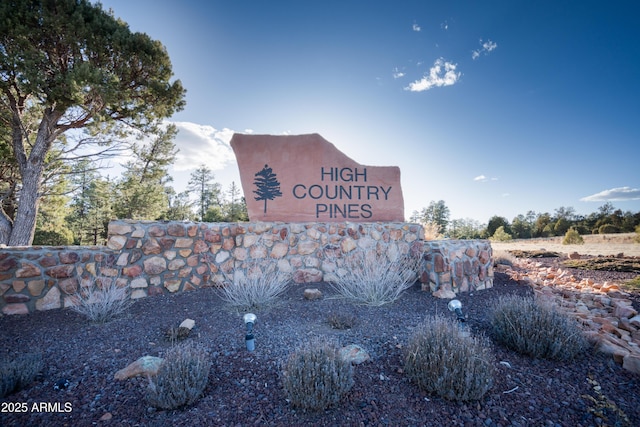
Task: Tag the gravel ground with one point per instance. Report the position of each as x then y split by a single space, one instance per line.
245 389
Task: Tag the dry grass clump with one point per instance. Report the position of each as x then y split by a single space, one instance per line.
444 360
18 373
316 377
535 329
504 258
432 231
100 299
181 379
260 287
376 279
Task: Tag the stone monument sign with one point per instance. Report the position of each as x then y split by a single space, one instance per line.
305 178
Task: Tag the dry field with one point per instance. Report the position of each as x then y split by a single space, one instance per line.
594 244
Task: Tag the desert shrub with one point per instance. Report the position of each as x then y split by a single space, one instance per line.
181 378
536 329
637 237
441 359
375 279
260 287
431 231
18 373
504 258
100 299
500 235
608 229
315 376
341 321
572 237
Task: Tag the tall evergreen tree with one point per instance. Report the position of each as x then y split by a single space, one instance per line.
179 205
141 193
91 204
436 213
78 67
206 191
235 207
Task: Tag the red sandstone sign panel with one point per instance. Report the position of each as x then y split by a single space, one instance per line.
299 178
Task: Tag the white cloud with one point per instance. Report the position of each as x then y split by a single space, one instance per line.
486 48
443 73
444 25
202 144
416 28
397 73
619 194
482 178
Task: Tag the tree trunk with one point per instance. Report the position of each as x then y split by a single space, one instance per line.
31 169
24 224
5 227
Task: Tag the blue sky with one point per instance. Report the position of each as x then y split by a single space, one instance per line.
495 107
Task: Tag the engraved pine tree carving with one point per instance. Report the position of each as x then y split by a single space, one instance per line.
268 186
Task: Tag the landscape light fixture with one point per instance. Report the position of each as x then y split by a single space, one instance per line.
249 320
456 306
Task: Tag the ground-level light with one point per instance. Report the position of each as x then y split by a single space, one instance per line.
456 306
249 320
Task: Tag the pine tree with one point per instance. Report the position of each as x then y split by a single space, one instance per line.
206 190
142 189
268 186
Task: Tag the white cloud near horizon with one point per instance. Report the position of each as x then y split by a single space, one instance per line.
619 194
443 73
486 48
202 144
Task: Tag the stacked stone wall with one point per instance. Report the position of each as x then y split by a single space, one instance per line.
154 258
453 266
42 278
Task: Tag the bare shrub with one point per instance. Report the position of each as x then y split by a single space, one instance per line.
535 329
181 379
375 279
18 373
315 376
260 287
441 359
101 299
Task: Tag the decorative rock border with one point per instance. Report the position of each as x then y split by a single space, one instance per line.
603 309
155 258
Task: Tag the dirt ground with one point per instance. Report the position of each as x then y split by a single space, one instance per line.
596 244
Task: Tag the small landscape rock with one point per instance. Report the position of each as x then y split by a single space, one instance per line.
631 362
106 417
312 294
444 294
574 255
354 354
187 323
146 365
